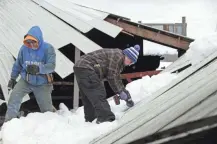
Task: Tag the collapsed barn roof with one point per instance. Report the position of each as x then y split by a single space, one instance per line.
181 104
66 24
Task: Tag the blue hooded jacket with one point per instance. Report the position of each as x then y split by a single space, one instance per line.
44 57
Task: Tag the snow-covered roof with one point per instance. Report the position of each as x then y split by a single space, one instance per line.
17 16
187 98
174 104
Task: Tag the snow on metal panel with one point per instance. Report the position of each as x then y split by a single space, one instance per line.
77 23
17 16
186 74
167 104
106 27
200 111
179 63
179 101
65 69
88 11
66 6
85 15
212 113
91 12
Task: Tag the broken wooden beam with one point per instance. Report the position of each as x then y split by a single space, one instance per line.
129 76
152 34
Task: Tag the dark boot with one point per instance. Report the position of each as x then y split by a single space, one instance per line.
105 120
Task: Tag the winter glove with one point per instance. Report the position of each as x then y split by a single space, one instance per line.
129 101
32 69
117 97
125 95
11 84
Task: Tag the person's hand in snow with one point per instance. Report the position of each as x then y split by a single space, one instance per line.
125 95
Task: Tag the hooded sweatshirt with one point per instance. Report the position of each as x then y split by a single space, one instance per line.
44 56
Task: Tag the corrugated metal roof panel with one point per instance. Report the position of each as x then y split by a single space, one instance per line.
178 104
91 12
179 63
72 20
171 102
17 16
81 14
200 111
212 113
105 27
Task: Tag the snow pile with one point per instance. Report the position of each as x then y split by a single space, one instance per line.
69 127
150 48
143 88
52 128
202 47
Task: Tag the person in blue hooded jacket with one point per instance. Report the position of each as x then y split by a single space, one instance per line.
35 63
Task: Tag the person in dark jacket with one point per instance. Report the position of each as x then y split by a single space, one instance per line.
35 63
92 69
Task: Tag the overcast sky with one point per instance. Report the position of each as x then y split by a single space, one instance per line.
201 15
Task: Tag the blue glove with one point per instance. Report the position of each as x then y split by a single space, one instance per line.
123 95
